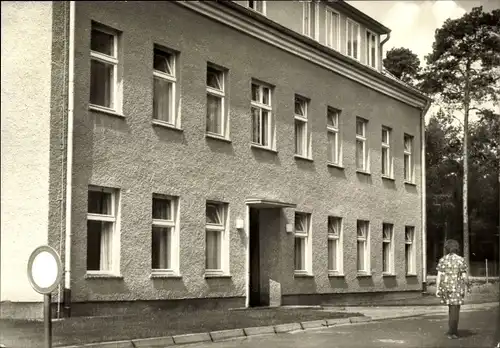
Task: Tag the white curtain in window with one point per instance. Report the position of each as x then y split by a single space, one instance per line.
213 249
106 246
162 100
214 114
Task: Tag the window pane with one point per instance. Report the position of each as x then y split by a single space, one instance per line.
101 83
332 118
360 146
408 263
332 147
299 138
349 38
385 136
266 93
214 78
362 229
387 232
255 93
162 100
214 214
163 62
214 114
161 248
385 161
300 223
213 250
99 245
102 42
407 167
355 41
162 209
332 255
408 234
264 136
386 257
360 128
100 203
300 255
299 107
361 256
256 125
407 143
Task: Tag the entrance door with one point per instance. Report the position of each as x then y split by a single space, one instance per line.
255 296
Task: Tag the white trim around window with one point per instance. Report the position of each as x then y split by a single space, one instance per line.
302 244
217 119
216 239
165 236
302 139
363 247
372 47
334 136
387 249
353 38
335 246
165 87
261 108
257 5
105 84
362 148
387 158
332 28
103 231
410 253
408 159
310 20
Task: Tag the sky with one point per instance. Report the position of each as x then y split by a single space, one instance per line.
413 23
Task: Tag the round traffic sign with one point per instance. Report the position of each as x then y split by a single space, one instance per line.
44 269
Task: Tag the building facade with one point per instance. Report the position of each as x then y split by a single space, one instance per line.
241 153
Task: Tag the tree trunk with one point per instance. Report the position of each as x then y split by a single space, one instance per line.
466 181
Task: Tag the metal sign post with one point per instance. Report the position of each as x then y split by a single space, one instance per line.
44 275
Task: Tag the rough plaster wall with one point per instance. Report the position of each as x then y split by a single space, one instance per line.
25 118
140 159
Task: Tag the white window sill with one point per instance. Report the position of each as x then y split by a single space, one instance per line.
364 172
160 275
101 275
333 274
335 165
261 147
106 111
303 158
385 177
166 125
363 274
410 183
209 275
388 274
217 137
303 274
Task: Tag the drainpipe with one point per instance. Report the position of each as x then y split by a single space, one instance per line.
381 52
424 196
69 162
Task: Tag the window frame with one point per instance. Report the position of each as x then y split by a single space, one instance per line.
390 241
411 267
366 150
173 117
335 130
222 95
224 240
303 119
388 147
369 51
175 240
307 25
306 236
266 107
408 171
358 45
262 4
339 247
116 97
115 233
366 241
329 38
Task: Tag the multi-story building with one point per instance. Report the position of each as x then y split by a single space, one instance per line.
226 153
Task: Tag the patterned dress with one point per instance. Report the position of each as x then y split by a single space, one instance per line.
452 286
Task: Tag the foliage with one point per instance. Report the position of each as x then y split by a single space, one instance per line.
403 64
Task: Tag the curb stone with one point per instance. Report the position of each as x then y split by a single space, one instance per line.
226 334
333 322
155 342
284 328
192 338
359 319
259 330
314 324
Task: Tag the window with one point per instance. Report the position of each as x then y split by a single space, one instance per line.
371 49
408 160
363 238
301 139
410 249
387 249
103 68
352 39
332 130
216 238
164 77
362 154
259 6
102 251
216 123
310 19
302 241
332 29
334 245
386 152
164 245
261 115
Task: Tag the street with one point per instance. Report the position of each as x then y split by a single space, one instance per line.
477 329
